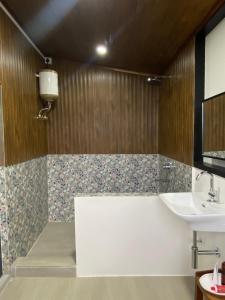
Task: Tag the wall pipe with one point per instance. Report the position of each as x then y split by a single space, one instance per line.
21 30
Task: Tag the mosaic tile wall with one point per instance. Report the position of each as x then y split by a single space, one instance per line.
177 178
25 209
4 228
216 154
71 174
27 189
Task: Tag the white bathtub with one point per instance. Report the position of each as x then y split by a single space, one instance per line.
127 235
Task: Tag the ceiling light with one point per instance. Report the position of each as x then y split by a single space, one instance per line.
101 50
149 79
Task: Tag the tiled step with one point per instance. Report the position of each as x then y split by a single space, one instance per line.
49 266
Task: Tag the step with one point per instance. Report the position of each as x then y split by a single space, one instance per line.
49 266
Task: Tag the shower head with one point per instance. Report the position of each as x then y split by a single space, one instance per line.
157 79
154 80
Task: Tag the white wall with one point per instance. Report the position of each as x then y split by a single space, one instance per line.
215 61
210 240
138 235
130 235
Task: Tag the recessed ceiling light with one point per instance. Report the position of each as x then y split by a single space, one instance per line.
101 50
149 79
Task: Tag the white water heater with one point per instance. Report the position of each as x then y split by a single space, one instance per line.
48 84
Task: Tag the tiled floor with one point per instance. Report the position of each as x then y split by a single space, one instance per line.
57 239
139 288
52 254
56 247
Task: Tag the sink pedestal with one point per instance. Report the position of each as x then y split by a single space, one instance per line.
196 252
194 209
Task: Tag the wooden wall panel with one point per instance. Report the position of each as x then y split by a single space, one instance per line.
102 111
25 137
176 117
2 145
214 124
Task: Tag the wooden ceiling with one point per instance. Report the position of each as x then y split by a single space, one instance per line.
143 35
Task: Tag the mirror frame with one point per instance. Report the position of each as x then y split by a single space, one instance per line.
200 93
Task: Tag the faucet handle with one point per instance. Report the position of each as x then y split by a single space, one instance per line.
214 196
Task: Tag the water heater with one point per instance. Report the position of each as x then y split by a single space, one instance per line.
48 84
49 91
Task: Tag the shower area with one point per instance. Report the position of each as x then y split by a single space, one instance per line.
38 190
68 176
39 234
45 163
32 244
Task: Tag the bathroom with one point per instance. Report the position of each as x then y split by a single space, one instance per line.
111 123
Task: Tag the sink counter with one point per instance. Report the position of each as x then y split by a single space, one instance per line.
194 209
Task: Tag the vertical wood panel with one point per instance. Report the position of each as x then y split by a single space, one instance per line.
176 117
214 124
25 137
2 146
103 111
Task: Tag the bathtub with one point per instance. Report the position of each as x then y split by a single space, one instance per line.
129 235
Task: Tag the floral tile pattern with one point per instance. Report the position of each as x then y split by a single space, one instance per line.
25 212
4 228
175 179
216 154
44 188
72 174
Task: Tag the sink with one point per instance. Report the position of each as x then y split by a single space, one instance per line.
196 211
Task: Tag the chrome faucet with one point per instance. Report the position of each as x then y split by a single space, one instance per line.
212 192
169 165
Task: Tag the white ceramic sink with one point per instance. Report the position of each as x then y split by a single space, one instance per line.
196 211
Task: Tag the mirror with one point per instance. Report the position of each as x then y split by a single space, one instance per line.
214 127
209 137
215 61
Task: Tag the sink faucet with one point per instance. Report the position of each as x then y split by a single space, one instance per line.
212 192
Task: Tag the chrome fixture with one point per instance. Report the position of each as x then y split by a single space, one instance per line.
196 252
43 113
154 80
212 192
157 79
169 165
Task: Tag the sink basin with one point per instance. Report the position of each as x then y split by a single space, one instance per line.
196 211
